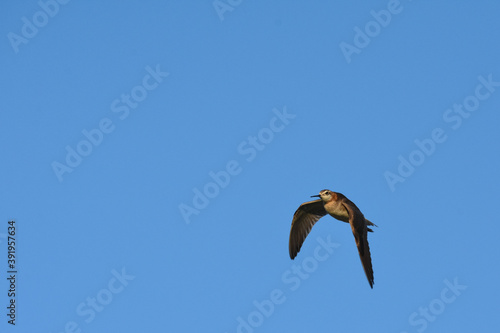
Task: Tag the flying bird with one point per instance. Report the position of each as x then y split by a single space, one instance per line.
341 208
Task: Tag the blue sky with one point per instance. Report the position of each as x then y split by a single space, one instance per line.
154 154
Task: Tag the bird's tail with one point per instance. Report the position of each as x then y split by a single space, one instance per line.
368 222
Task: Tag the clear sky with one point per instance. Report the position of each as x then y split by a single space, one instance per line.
153 154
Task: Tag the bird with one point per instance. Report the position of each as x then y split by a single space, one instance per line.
340 207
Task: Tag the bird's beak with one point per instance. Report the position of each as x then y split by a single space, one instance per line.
317 195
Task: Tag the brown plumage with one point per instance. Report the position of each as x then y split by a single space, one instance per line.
341 208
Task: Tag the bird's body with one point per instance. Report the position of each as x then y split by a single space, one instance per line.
338 206
335 208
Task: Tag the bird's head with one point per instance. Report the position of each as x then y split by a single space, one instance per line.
325 195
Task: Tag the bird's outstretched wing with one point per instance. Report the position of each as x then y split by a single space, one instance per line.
359 230
303 220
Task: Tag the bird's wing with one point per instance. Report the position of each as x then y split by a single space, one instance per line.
358 226
303 220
